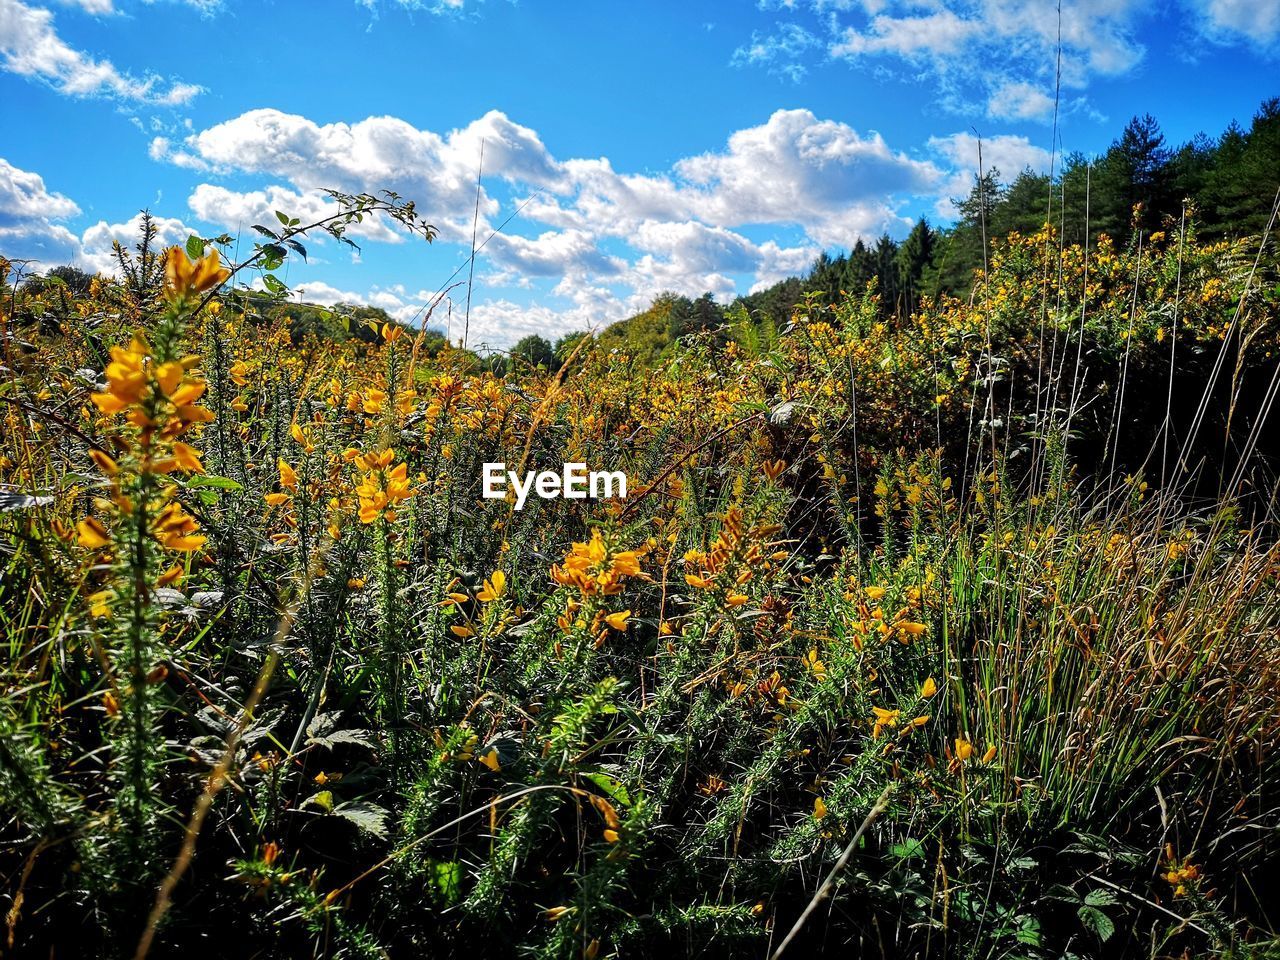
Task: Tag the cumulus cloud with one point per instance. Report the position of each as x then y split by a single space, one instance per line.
1008 154
376 153
97 242
1019 101
31 47
238 211
29 215
610 239
1255 22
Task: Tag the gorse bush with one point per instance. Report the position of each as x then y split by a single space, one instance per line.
929 615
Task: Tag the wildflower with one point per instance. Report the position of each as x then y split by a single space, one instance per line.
555 913
176 530
288 476
104 463
928 689
184 278
819 808
874 593
100 603
490 760
493 587
964 749
92 534
618 620
381 488
883 719
170 576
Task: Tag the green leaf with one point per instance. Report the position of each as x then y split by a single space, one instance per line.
1098 922
610 786
282 217
446 878
1100 898
368 817
323 800
195 247
221 483
907 849
1028 931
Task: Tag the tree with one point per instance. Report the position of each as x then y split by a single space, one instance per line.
534 351
915 257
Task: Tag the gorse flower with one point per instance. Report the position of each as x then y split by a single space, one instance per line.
184 278
382 485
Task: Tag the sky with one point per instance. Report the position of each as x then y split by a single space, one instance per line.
629 148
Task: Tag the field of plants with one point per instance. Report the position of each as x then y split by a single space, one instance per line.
949 631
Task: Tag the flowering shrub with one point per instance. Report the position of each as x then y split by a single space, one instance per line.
913 598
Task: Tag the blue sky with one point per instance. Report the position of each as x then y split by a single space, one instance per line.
654 146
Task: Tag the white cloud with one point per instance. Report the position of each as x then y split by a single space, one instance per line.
935 35
979 54
569 252
439 172
92 6
238 212
30 47
1256 22
1020 101
29 212
97 242
500 323
782 54
608 240
1008 154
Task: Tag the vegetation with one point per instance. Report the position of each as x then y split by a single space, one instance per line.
950 630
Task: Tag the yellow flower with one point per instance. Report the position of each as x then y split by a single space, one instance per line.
493 587
490 760
819 808
170 576
187 458
875 593
126 378
288 476
964 749
184 278
92 534
176 530
618 620
883 719
104 463
929 688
